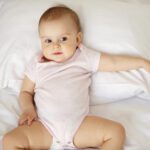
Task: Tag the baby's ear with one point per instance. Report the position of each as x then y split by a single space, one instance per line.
79 37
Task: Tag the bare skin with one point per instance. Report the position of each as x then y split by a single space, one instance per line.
93 132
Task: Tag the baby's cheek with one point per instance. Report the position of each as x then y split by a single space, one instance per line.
46 48
45 45
46 51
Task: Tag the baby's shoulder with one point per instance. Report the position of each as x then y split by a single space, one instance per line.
87 51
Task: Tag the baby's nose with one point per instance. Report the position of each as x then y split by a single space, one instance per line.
56 45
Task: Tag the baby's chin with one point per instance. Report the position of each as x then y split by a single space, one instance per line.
60 61
56 60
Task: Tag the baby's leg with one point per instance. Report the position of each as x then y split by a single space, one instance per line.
27 137
99 132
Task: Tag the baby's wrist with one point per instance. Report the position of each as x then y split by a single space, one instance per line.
28 108
146 64
142 62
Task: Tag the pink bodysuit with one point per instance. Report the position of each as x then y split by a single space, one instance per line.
62 93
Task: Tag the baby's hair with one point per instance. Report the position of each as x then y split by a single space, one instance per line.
59 11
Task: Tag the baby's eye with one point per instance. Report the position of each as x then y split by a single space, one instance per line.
48 40
63 39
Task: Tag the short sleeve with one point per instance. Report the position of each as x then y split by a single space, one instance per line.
92 58
30 70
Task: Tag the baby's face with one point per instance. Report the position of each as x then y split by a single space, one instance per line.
59 39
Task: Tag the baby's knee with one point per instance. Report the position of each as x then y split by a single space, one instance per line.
8 139
8 142
118 131
12 140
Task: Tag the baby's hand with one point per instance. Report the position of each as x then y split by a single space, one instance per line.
147 65
28 116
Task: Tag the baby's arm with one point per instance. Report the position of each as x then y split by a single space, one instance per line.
26 102
110 62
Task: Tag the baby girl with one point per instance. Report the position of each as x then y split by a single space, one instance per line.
54 97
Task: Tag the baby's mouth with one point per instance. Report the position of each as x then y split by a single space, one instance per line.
57 53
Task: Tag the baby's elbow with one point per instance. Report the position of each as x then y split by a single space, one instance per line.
107 63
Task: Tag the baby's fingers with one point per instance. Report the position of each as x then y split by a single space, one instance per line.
23 120
31 119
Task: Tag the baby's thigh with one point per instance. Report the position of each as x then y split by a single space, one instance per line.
93 132
35 136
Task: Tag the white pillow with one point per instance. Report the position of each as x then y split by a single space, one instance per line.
109 87
109 26
118 26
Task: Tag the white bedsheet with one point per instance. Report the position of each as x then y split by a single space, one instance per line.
133 113
112 93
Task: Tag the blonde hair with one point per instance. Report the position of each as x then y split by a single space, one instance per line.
59 11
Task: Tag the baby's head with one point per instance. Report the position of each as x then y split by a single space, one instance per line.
60 33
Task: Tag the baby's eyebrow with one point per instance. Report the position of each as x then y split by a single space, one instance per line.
65 34
43 37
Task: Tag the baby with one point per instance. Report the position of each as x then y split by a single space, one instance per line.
54 97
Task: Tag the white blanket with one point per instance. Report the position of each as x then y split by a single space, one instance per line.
115 86
133 113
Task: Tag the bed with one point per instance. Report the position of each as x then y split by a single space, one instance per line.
121 96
